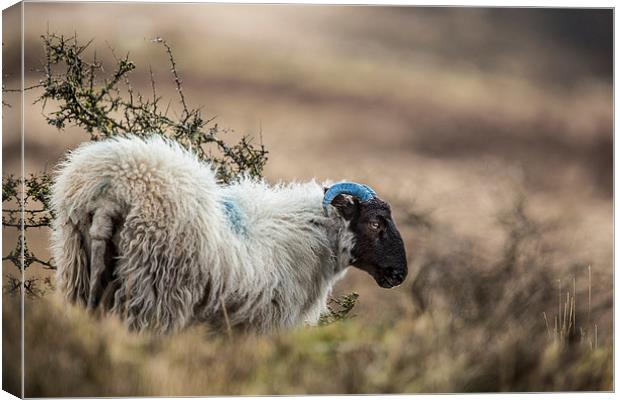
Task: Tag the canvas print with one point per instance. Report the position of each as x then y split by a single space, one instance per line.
226 199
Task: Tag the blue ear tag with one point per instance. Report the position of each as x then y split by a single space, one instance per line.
234 215
362 192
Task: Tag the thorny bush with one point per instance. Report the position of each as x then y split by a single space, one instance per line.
105 106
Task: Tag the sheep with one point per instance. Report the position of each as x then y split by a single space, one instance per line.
143 230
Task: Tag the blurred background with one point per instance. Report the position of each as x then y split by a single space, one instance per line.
490 131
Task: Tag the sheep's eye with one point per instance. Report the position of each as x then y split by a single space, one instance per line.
374 225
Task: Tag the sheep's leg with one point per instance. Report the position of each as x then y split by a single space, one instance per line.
97 266
101 231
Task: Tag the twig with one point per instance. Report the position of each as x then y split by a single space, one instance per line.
177 79
228 328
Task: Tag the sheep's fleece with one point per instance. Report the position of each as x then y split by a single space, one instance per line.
177 256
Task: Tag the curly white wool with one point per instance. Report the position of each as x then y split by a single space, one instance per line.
179 257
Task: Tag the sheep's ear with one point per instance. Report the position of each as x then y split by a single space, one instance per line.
347 206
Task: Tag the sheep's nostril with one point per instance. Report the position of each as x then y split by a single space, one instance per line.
400 275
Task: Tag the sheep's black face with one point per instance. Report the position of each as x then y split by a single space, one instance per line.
379 248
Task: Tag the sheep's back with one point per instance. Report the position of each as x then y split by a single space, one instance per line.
155 175
168 227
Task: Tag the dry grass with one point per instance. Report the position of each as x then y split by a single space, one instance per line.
425 354
474 326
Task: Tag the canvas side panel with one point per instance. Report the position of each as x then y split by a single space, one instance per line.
12 368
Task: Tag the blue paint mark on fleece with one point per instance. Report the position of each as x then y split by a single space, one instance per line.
234 215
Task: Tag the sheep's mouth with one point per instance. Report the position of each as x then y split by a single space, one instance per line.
390 279
386 277
387 283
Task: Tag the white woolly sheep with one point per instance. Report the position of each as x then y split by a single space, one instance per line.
142 229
